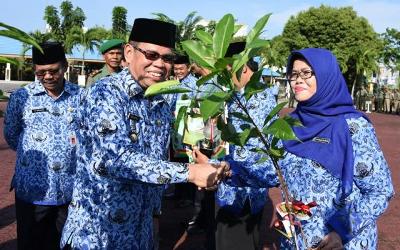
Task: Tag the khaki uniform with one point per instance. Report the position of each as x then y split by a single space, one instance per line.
387 99
103 72
396 102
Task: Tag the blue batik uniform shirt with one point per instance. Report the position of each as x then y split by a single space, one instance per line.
188 82
233 198
43 132
121 165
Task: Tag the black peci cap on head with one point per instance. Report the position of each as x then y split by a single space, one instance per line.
182 59
235 48
53 52
153 31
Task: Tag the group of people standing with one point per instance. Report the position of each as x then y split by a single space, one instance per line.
92 164
382 100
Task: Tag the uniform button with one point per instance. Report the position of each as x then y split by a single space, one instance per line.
56 111
158 123
39 136
24 161
100 169
163 180
56 166
133 136
118 216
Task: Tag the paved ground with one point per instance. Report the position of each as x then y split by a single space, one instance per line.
171 231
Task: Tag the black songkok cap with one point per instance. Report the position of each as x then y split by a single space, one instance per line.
153 31
53 52
235 48
182 59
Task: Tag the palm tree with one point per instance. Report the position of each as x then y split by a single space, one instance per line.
87 40
19 35
185 29
365 62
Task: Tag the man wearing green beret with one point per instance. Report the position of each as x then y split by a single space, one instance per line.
112 54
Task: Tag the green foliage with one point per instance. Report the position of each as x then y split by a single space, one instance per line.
88 40
208 51
166 87
19 35
68 28
213 104
350 37
2 98
186 29
222 36
281 129
119 23
391 48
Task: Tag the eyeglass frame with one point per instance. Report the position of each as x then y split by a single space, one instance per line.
49 71
300 74
156 55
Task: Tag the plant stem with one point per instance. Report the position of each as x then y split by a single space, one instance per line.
283 186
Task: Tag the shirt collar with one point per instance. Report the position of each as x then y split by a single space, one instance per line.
133 86
135 89
37 88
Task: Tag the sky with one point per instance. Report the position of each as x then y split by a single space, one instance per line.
28 14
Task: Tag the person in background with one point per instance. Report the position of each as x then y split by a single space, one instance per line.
122 155
396 101
380 99
179 151
387 99
112 54
40 124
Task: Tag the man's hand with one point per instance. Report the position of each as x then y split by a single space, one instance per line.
198 156
331 241
205 175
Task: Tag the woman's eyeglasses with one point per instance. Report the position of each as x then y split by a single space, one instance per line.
153 56
303 74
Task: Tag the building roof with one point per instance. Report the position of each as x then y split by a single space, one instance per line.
13 48
269 72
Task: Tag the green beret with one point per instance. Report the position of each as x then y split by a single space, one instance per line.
112 43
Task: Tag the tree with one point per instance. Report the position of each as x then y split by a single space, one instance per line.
53 21
60 27
19 35
391 48
119 23
350 37
275 53
87 40
71 17
186 29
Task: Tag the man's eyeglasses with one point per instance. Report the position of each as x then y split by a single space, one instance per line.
304 74
153 56
42 73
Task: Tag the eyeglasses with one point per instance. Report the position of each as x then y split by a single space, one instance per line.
153 56
42 73
304 74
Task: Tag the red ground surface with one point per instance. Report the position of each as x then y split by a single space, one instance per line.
171 230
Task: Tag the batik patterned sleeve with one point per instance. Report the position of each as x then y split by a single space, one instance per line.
371 178
13 123
246 166
113 152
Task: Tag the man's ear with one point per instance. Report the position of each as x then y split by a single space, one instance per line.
245 69
128 52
